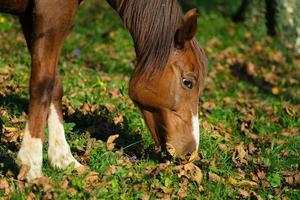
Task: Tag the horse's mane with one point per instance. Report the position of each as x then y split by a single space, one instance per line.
153 25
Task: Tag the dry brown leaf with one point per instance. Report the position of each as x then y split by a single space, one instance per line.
240 155
31 196
214 42
44 182
293 180
246 183
145 197
251 69
65 184
215 177
4 185
254 177
223 147
228 101
92 177
232 181
110 107
23 172
82 169
291 111
72 191
194 157
171 150
115 93
244 193
207 126
118 119
196 173
182 193
111 170
110 142
251 148
86 108
209 105
216 135
252 136
289 180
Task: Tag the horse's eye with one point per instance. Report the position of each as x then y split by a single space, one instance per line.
187 83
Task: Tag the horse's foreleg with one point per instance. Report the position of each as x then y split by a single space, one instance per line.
45 36
59 153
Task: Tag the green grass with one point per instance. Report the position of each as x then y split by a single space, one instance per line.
105 63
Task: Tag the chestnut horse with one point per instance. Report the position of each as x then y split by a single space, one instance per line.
165 84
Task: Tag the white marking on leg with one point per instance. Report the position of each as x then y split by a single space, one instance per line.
196 130
31 154
59 153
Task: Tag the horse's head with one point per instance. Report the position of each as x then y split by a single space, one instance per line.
169 99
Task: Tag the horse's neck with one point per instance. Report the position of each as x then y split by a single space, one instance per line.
14 7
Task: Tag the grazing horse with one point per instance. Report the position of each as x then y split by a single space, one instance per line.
165 84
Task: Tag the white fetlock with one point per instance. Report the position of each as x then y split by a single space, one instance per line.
31 154
59 153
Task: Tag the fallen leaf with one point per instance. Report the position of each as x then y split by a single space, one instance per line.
246 183
111 170
31 196
4 185
214 177
182 193
194 157
91 178
209 105
240 155
244 193
195 172
23 172
110 142
216 135
171 150
44 182
261 175
223 147
251 69
82 169
118 119
110 107
115 93
251 148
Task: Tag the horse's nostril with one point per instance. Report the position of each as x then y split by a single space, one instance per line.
188 154
189 149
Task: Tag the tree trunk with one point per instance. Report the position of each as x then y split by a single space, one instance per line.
288 22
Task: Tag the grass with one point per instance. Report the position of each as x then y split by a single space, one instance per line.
249 119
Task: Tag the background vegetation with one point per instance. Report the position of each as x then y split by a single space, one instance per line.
249 118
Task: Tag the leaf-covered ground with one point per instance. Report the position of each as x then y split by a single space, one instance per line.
249 118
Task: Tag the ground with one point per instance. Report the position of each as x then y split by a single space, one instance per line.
249 116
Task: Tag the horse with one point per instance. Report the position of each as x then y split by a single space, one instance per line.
166 82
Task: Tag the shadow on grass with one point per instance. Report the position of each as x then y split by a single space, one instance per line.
102 127
7 161
240 72
14 104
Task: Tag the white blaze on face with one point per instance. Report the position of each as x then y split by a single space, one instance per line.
59 152
31 154
196 130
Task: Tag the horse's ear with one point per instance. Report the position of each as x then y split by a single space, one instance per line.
188 29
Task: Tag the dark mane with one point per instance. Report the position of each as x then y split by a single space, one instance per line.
153 25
